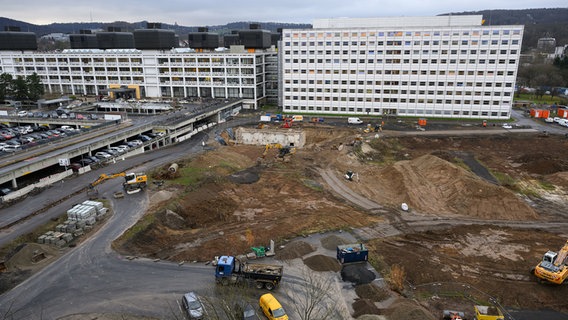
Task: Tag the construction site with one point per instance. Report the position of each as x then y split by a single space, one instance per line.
454 218
481 210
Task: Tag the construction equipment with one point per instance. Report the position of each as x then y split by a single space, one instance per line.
350 175
230 270
371 128
554 266
487 313
287 123
283 150
453 315
133 182
349 253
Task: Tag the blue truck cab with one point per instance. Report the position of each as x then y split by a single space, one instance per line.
225 267
356 252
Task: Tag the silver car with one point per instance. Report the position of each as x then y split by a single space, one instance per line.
193 306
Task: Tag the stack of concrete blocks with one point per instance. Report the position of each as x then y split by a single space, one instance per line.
99 208
80 218
55 238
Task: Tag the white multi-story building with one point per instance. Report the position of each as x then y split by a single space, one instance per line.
443 66
176 73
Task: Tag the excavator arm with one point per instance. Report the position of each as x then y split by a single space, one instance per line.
104 177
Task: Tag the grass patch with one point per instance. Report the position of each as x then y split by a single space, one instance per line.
504 179
539 99
547 186
32 236
189 176
142 224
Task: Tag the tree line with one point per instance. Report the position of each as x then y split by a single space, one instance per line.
21 88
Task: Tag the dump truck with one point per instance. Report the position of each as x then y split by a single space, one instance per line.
487 313
352 253
230 270
554 266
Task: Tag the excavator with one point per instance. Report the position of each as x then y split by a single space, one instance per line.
134 182
554 266
283 150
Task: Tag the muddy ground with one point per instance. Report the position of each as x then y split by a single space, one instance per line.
503 177
489 187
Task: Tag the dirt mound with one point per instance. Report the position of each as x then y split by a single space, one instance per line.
559 179
296 249
320 262
432 185
357 274
332 241
30 256
408 310
364 306
371 292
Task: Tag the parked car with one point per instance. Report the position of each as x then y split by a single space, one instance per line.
5 191
22 113
102 155
12 148
136 142
80 117
193 306
144 137
110 151
95 159
271 308
86 161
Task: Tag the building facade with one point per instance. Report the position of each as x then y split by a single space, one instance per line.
443 67
175 73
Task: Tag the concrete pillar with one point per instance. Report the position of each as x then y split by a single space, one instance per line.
14 184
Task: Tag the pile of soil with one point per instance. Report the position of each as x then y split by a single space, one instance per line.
357 274
320 262
431 185
371 292
332 241
296 249
365 306
408 310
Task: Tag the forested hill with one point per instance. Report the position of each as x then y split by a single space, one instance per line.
539 23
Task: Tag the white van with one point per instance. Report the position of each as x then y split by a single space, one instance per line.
22 113
354 121
297 118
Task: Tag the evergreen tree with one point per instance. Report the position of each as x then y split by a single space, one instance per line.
35 87
6 86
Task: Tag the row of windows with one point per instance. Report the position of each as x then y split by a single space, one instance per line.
445 33
393 92
399 52
395 83
473 113
392 72
397 100
475 42
405 61
131 60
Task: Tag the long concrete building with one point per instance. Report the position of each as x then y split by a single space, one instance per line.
175 73
443 67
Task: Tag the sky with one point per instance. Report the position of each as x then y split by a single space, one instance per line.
218 12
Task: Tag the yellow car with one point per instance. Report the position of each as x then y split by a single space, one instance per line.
272 308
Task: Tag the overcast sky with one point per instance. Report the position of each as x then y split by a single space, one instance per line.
215 12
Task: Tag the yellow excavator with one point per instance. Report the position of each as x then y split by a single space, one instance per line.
283 150
554 266
133 182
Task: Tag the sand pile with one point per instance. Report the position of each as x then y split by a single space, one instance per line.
432 185
408 310
320 262
296 249
371 292
364 306
332 241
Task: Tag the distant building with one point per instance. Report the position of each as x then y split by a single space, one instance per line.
546 45
146 64
443 66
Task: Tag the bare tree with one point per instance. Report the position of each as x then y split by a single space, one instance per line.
314 298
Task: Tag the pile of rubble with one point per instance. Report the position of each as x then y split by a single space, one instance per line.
80 219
